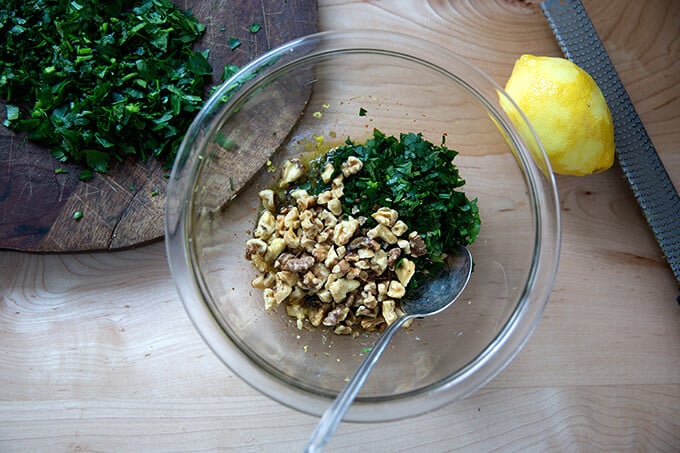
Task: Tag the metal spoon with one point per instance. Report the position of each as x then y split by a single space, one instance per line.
431 298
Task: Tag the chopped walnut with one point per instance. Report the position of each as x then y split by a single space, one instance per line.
365 311
344 231
259 263
404 245
297 312
335 316
298 194
342 330
393 255
351 166
325 296
274 249
338 187
291 171
352 256
269 300
307 242
418 247
311 282
263 281
304 203
342 267
355 273
388 311
255 247
282 291
331 258
382 290
290 278
405 271
292 219
328 218
365 253
399 228
379 262
370 301
327 173
266 225
335 206
386 216
325 268
291 239
372 324
362 264
316 316
363 242
380 231
340 288
301 264
396 290
267 197
324 197
321 250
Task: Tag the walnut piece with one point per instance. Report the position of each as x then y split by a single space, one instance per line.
291 171
386 216
396 290
418 247
380 231
267 198
351 166
405 271
301 264
327 173
344 231
340 288
255 247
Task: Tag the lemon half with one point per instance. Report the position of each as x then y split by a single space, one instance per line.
568 112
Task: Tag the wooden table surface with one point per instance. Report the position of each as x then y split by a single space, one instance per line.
97 353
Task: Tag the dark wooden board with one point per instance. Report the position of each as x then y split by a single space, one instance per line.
125 208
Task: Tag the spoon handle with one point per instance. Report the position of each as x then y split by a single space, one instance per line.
333 416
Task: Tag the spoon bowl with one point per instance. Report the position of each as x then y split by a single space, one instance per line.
431 297
441 292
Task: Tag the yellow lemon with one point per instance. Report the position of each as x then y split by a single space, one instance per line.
568 112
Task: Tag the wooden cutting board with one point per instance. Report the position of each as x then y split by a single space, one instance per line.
125 208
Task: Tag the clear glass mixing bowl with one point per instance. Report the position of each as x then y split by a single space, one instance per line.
306 96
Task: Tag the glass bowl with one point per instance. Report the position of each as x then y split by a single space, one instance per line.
307 96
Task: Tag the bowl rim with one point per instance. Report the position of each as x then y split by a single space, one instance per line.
509 340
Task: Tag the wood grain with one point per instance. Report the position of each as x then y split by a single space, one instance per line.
552 419
97 354
125 207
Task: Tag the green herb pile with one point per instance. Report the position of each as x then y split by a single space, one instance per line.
416 178
98 80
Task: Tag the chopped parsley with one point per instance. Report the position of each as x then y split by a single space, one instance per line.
228 71
254 27
233 43
97 81
362 111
